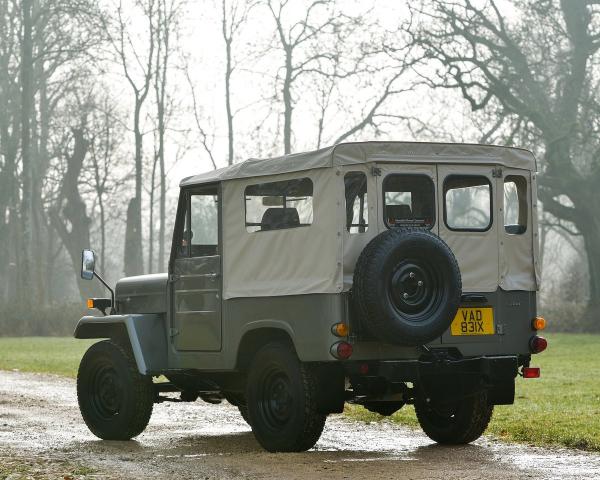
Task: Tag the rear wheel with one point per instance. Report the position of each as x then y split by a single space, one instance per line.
458 423
282 400
114 399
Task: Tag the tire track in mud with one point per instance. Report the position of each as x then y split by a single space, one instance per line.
39 420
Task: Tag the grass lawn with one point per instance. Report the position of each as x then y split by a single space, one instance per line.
59 355
562 407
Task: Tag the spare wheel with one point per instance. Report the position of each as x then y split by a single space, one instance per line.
407 286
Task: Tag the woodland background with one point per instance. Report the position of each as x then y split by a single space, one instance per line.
105 105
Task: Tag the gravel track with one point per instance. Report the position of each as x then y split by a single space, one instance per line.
40 422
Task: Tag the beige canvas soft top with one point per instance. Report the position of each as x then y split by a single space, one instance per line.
364 152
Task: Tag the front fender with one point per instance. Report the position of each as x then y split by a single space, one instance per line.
146 334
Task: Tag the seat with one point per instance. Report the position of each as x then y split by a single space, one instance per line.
394 213
276 218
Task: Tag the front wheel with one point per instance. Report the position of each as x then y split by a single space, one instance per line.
459 423
282 400
114 398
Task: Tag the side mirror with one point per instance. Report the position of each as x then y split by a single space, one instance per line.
88 262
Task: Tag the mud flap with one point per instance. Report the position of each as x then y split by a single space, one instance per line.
331 387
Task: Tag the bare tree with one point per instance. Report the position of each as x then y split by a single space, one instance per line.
234 16
137 61
304 49
537 68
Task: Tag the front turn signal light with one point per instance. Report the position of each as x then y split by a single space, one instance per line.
537 344
90 303
538 323
340 329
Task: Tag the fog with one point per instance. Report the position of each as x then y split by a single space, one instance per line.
106 106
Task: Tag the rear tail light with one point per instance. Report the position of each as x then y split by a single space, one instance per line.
538 323
537 344
341 350
531 372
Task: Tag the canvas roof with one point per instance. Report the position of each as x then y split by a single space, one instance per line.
364 152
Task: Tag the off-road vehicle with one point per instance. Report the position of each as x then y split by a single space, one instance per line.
374 273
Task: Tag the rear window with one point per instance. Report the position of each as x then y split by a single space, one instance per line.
279 205
357 208
515 204
409 200
468 202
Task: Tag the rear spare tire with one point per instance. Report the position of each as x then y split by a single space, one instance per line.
407 286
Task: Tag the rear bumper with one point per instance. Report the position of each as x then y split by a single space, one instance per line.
505 366
439 377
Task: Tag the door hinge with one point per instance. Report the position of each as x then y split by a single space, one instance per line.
497 172
376 171
173 332
173 278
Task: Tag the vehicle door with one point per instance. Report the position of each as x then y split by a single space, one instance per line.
468 198
195 277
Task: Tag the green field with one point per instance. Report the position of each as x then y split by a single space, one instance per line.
562 407
59 355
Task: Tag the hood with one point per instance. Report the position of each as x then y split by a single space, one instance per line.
142 294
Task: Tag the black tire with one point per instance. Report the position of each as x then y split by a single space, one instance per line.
244 413
407 286
238 400
282 400
462 423
114 399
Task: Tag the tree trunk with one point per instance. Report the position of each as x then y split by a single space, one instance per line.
287 102
228 101
132 246
69 217
590 228
134 258
151 222
26 104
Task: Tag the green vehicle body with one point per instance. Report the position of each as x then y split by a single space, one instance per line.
206 318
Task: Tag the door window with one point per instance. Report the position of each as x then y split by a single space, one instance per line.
203 233
468 202
408 200
515 204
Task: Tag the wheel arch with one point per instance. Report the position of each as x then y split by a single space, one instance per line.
258 335
145 334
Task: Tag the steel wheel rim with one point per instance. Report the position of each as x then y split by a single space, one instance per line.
106 392
275 402
415 288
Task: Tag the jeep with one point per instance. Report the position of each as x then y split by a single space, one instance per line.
375 273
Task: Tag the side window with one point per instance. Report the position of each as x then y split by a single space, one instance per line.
408 200
203 233
279 205
468 202
183 236
515 204
357 208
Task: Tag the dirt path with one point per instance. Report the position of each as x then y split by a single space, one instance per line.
39 421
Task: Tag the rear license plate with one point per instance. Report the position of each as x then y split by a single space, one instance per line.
473 321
